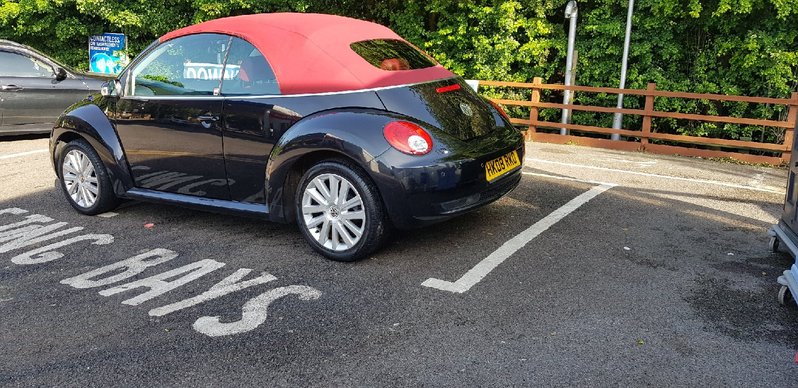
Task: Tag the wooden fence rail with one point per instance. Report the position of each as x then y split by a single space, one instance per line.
648 113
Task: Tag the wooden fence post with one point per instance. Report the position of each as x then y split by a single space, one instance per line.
647 110
789 133
533 110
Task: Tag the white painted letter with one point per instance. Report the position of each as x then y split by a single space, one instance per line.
48 253
254 312
132 267
159 285
32 236
226 286
28 220
13 210
12 231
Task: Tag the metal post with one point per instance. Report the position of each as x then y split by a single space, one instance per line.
570 13
618 118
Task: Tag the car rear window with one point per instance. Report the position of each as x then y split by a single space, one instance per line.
392 54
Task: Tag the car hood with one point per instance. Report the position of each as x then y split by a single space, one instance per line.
94 81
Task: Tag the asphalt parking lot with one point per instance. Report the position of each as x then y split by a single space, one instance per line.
601 268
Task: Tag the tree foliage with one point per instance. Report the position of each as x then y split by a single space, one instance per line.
747 47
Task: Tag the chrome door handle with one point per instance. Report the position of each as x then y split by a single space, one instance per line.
206 121
208 118
10 88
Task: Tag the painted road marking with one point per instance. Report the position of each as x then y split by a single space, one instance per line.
567 178
648 174
108 215
639 163
229 284
9 156
254 312
484 267
757 179
36 228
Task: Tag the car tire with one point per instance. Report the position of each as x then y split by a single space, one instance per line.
84 180
339 211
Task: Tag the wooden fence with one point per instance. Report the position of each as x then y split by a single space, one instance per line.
648 113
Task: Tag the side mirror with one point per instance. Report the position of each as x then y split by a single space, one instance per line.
111 88
60 74
105 89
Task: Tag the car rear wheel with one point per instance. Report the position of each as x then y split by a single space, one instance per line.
339 211
84 181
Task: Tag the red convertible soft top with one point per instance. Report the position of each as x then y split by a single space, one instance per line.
310 53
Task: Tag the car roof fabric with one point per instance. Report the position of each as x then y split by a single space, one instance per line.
310 53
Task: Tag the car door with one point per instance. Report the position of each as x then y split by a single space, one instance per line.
251 125
32 95
168 118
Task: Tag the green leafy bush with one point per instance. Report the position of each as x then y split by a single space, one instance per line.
746 47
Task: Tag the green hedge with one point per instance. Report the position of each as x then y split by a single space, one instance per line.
747 47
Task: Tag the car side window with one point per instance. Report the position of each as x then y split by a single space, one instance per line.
189 65
248 72
18 65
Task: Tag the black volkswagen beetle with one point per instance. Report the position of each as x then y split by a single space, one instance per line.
337 124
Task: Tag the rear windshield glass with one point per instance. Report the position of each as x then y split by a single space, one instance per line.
392 54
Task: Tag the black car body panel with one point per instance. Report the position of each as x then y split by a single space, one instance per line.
450 106
449 180
264 132
467 133
425 193
87 121
353 134
172 142
200 203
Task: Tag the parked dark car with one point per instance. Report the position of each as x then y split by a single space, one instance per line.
337 124
35 89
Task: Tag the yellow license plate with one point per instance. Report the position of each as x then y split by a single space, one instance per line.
501 165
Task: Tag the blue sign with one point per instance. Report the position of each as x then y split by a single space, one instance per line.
107 53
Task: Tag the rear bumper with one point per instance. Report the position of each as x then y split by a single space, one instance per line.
429 208
420 196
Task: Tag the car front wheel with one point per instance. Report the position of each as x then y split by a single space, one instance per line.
339 211
84 181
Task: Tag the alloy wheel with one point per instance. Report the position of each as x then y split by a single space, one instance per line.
333 212
80 178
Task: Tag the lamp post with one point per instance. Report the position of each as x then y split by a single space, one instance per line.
571 10
617 120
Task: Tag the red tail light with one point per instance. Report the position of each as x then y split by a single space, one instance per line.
449 88
499 108
408 138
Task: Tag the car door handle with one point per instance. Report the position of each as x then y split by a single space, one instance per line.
208 118
10 88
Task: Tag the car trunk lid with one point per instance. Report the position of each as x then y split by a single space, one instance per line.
449 105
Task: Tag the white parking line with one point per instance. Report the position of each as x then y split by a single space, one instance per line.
108 215
9 156
694 180
484 267
566 178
